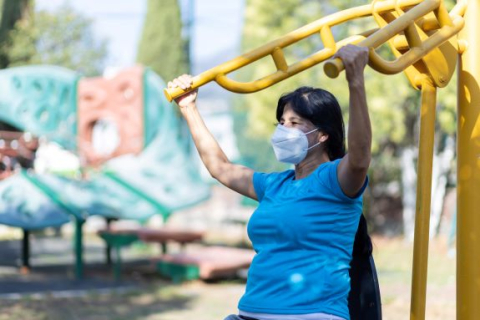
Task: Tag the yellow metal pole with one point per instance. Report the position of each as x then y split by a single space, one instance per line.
468 169
424 192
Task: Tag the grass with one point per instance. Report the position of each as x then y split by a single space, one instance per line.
160 299
394 267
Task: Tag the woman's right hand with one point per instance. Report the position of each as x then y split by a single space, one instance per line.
184 82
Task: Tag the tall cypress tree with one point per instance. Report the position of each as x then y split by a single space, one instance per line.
11 13
161 46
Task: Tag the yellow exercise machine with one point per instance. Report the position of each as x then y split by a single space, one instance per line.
427 42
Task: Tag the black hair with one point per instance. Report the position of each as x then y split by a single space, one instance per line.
322 109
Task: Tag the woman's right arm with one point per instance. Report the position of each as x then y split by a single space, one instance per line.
233 176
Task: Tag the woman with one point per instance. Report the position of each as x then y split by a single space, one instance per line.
304 227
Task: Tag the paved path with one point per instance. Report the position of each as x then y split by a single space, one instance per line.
52 268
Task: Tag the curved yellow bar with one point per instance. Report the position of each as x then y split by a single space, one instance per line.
274 48
418 51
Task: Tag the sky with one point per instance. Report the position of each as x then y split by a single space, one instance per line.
216 28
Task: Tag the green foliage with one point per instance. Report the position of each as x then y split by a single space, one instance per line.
255 153
63 38
161 47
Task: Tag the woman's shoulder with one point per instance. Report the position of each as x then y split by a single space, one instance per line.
327 175
327 166
271 178
276 175
326 172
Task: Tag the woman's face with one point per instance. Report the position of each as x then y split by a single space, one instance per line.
290 119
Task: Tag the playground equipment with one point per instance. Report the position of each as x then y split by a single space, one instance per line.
149 171
427 42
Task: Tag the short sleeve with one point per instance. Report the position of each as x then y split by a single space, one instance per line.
335 185
259 184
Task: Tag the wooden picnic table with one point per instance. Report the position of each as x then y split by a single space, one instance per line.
122 237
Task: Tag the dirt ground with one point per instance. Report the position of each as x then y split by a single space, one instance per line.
154 298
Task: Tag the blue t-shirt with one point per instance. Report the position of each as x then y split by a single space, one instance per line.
303 232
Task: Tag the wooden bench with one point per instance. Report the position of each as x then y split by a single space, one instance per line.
163 236
204 263
118 238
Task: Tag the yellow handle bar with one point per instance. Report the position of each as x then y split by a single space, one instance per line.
321 26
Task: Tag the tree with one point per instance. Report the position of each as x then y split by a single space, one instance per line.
161 46
12 12
63 38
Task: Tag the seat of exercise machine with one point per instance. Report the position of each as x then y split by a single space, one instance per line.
364 301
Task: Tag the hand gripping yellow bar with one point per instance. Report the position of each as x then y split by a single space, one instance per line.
323 27
449 25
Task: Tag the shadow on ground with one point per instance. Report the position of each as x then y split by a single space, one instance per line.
136 304
52 268
51 291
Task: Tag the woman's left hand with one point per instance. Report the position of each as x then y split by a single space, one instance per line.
354 59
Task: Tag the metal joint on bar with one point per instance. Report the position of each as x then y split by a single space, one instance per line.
417 52
327 38
332 68
279 59
442 15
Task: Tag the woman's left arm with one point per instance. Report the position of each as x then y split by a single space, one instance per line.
352 169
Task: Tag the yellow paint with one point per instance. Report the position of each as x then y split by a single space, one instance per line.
461 121
468 96
465 173
424 192
476 130
468 190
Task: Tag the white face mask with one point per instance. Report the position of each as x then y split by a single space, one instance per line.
290 145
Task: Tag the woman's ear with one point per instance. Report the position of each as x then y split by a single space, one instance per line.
322 137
